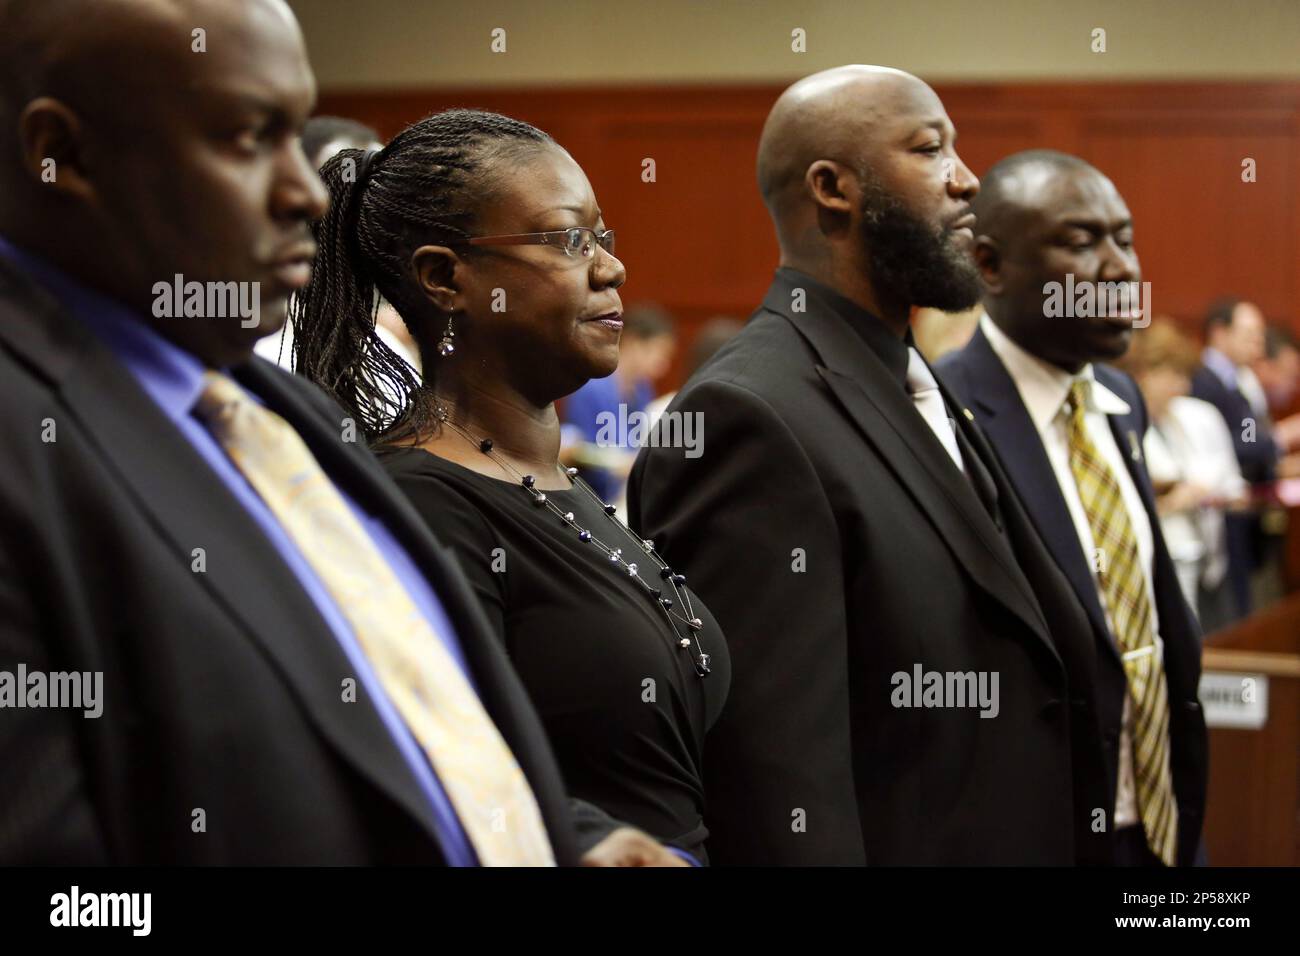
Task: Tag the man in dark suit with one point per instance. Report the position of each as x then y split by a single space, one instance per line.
1069 432
1234 339
852 532
243 710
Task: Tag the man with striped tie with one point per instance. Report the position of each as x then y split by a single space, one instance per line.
1068 431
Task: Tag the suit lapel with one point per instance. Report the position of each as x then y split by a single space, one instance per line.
1006 422
885 415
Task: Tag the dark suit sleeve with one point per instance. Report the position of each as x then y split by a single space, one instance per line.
46 812
1257 458
748 524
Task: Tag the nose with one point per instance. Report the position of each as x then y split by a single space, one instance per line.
607 271
1119 264
963 184
299 192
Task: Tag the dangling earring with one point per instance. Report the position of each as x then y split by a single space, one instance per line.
446 346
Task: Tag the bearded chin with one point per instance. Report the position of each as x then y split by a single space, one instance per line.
912 262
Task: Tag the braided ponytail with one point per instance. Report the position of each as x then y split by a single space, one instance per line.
422 188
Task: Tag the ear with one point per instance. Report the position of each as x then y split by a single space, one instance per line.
52 140
435 269
833 186
988 259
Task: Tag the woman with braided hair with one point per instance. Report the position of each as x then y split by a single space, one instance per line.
485 236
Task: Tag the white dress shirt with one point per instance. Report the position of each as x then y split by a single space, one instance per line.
1044 389
1192 443
928 402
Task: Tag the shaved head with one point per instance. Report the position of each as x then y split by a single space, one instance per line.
858 169
144 139
830 115
1049 221
1018 183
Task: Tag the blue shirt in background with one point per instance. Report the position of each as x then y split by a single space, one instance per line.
582 417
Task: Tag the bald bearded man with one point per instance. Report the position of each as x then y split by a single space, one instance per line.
276 662
908 664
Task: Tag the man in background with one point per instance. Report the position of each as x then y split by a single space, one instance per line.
1234 341
595 432
322 137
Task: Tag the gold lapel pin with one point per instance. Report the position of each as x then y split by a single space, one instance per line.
969 416
1135 448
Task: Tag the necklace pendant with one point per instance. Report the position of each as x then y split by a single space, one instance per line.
684 642
702 666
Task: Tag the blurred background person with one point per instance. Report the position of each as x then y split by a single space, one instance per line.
1193 468
1278 371
595 436
713 335
322 137
1234 341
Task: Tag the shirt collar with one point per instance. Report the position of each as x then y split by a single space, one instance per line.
172 377
888 347
1221 366
1044 387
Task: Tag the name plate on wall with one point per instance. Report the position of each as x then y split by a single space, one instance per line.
1234 699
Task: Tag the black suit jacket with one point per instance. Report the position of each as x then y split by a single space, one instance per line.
815 458
1257 458
977 376
222 689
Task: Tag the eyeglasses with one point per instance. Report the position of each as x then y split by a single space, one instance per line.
576 243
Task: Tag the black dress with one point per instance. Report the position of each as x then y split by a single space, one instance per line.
622 702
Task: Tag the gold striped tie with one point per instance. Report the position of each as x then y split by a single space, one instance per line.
491 796
1124 586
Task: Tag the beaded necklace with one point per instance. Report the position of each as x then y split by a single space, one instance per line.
668 577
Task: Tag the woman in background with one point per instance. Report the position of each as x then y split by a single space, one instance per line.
1193 466
485 236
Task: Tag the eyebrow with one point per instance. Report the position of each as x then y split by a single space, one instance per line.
1095 224
573 208
257 103
940 126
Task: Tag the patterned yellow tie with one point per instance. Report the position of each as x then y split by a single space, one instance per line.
1124 585
474 764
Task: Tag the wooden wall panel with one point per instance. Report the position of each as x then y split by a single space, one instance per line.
699 241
